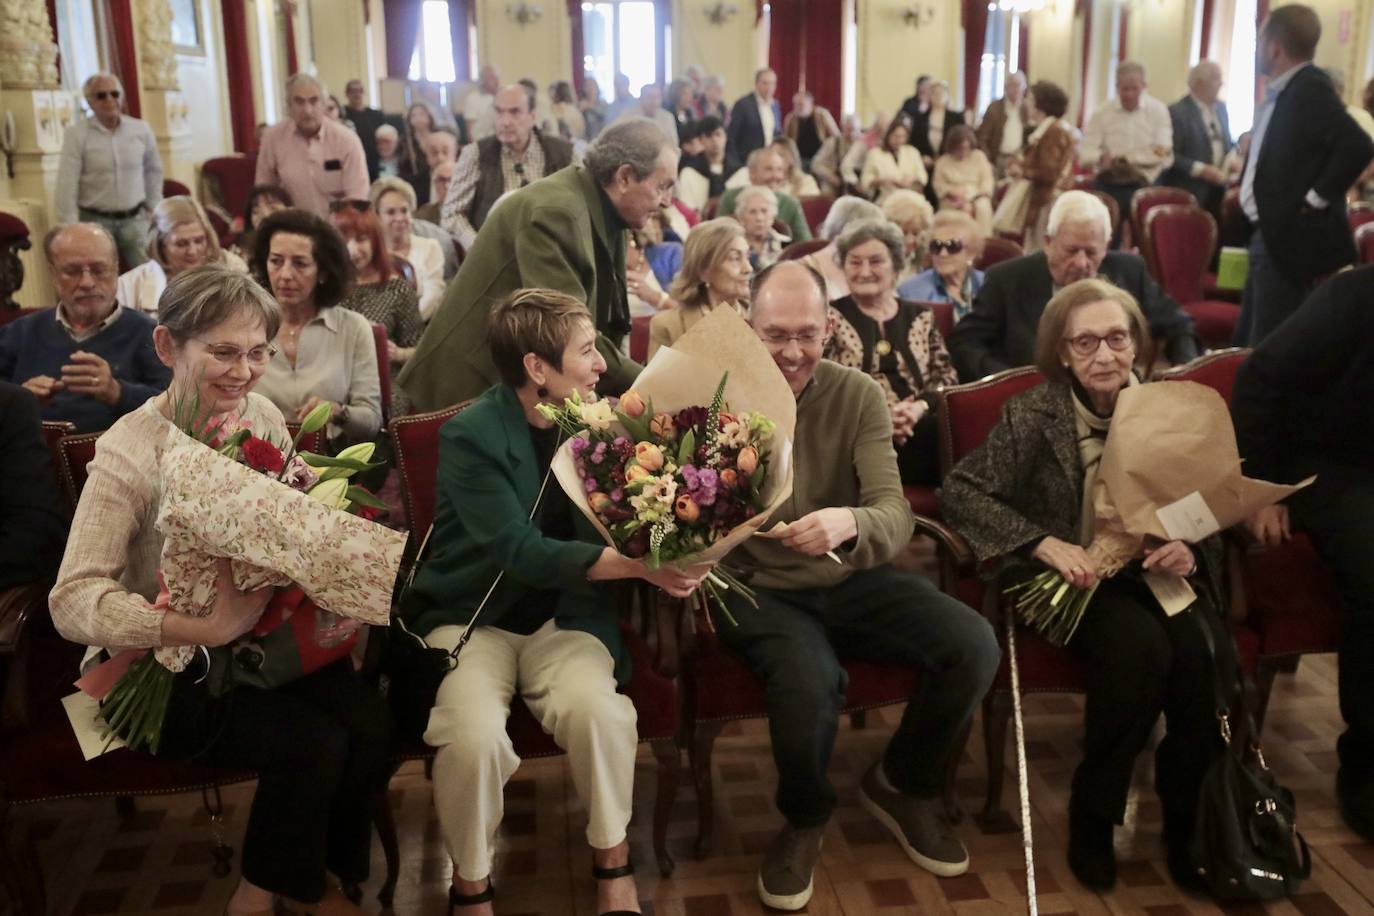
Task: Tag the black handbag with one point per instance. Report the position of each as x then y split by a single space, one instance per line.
1245 844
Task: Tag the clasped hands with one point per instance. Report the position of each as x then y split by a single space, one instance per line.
905 415
1079 569
87 374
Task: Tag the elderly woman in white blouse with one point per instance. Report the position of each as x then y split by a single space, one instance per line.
893 165
323 353
180 237
394 200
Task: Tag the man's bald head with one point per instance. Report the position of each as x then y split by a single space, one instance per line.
789 312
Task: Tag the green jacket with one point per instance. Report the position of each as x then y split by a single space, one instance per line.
551 234
789 211
487 483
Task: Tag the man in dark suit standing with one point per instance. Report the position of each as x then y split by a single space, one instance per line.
756 118
1000 331
1305 153
1202 138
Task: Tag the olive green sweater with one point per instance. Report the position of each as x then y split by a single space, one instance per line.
842 456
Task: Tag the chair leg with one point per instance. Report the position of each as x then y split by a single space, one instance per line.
385 822
699 757
858 719
21 878
996 716
1266 670
669 776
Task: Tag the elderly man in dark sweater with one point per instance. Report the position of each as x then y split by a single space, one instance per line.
1304 404
812 609
88 361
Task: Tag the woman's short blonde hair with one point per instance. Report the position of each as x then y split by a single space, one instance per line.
199 299
538 321
178 211
706 246
391 183
1049 337
904 205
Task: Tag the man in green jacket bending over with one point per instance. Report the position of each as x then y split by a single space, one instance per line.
565 232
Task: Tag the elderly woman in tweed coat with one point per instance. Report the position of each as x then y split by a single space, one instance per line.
1019 499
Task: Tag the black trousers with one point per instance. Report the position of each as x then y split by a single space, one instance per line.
1139 663
320 746
918 459
793 641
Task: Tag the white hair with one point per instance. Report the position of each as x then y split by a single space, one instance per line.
300 78
756 190
1201 70
1079 207
1130 68
91 80
387 130
844 211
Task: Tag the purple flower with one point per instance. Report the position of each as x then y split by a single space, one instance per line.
579 445
599 453
590 485
621 442
617 495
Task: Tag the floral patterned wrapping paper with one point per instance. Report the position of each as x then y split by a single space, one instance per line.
215 507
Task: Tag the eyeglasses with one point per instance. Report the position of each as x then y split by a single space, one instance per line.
949 246
98 272
230 355
362 206
804 339
104 94
1088 344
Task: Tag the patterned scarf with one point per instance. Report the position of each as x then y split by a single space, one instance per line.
1092 431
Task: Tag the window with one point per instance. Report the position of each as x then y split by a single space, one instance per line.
80 34
1240 69
433 59
999 42
618 37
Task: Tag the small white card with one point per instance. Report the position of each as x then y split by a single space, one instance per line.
83 710
1173 593
1189 519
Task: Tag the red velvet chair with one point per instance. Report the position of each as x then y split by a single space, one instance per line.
639 338
1144 200
995 251
230 180
1364 243
415 441
173 188
801 249
814 209
54 431
1180 240
1359 213
379 339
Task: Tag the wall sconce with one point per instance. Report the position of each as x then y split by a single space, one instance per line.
917 15
721 13
525 13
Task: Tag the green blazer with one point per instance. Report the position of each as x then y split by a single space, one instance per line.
552 234
488 481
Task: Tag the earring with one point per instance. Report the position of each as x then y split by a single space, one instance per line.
542 391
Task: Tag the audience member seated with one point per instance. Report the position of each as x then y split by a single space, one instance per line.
1037 172
703 176
847 500
1302 406
756 118
572 127
179 238
441 146
318 744
262 202
715 271
928 129
757 211
89 361
1006 124
592 106
1129 140
391 162
650 107
317 160
963 177
955 243
32 527
515 156
826 261
768 168
367 122
1023 500
827 164
441 179
421 121
479 114
808 125
681 104
380 294
1202 139
323 353
712 104
1000 332
624 98
912 214
394 201
894 165
895 341
651 263
550 633
795 181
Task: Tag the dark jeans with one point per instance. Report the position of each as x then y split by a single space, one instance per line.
792 640
1335 511
1269 296
320 747
1139 662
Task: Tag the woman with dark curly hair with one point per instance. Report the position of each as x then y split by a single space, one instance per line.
323 353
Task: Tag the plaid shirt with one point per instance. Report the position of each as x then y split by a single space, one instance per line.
516 172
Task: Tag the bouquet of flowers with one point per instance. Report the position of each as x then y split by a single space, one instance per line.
1170 471
283 518
673 472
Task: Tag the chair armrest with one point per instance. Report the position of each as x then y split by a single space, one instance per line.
950 543
17 605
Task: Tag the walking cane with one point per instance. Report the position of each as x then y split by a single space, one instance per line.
1022 785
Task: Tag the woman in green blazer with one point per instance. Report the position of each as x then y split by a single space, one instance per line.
546 629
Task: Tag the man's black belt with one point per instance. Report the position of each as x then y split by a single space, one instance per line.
114 214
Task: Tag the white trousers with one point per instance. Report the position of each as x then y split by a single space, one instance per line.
566 678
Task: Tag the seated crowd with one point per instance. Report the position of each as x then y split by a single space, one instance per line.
505 259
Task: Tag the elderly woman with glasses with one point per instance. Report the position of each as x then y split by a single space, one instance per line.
394 201
1024 502
893 340
955 242
319 744
179 238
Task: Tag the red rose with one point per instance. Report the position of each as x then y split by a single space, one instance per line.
261 455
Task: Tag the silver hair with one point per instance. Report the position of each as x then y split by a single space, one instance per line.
636 142
712 80
102 75
199 299
300 78
844 211
756 190
56 232
1079 207
873 230
387 130
1200 70
1130 68
391 183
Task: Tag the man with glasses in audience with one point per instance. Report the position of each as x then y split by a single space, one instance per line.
1000 331
89 361
827 590
110 171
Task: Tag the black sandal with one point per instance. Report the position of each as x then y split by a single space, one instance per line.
456 899
610 874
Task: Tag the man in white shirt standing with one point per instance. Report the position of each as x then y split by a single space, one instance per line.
756 118
479 108
110 171
1130 138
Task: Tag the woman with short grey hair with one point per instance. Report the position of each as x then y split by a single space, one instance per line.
893 340
826 261
756 208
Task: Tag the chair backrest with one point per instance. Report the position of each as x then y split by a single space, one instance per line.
77 452
315 442
1146 199
969 412
221 223
1361 213
415 443
712 207
233 176
379 338
814 208
801 249
996 250
173 188
1216 370
639 337
406 270
53 433
1364 243
944 316
1182 239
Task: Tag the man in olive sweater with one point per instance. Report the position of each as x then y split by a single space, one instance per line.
847 499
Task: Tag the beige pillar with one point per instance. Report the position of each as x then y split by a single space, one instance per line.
163 106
